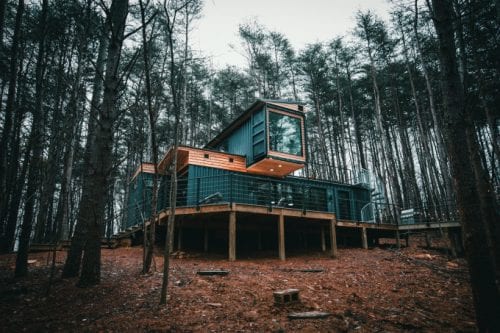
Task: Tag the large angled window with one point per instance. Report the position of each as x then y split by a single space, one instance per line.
285 134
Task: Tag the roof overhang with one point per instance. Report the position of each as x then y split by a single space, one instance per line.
274 167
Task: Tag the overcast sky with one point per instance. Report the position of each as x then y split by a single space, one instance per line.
302 21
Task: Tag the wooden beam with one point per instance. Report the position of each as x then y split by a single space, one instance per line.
232 236
179 238
281 237
398 240
333 238
205 238
364 238
323 241
428 241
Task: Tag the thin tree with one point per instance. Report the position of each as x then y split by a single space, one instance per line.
171 10
149 234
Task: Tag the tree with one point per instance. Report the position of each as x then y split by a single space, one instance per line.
92 205
461 146
9 229
35 144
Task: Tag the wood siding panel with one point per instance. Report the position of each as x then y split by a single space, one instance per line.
145 168
217 160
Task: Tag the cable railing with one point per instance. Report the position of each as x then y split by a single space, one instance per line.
293 193
326 172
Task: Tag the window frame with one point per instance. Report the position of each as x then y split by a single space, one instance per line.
279 154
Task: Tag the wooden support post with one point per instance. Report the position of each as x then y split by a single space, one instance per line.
333 238
323 241
259 240
281 237
232 236
205 238
453 248
179 238
407 239
398 240
428 241
364 239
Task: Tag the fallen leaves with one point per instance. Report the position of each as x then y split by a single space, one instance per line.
364 291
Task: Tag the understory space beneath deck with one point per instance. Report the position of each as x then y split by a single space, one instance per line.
248 231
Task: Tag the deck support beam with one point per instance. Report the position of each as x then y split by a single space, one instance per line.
428 241
281 237
179 238
205 238
232 236
398 240
333 238
364 238
323 241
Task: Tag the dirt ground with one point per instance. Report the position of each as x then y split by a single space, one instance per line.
376 290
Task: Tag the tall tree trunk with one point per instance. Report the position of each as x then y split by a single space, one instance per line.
101 152
73 260
442 156
149 236
36 141
93 202
356 126
475 223
10 107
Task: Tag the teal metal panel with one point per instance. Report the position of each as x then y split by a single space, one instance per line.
139 200
203 182
240 141
249 139
259 135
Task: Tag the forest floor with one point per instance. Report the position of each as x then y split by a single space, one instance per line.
376 290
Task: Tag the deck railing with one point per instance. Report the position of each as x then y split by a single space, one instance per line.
294 193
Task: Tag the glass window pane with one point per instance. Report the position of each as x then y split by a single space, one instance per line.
285 135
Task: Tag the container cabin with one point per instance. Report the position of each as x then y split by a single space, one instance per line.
247 173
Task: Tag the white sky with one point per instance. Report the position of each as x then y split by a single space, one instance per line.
301 21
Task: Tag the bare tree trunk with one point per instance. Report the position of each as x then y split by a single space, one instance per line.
357 130
148 256
9 111
73 260
443 164
92 205
476 220
36 141
174 90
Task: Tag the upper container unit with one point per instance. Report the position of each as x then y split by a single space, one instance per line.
270 134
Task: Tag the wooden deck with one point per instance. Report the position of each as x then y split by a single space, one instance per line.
231 212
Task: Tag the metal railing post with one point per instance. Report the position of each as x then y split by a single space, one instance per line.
231 188
198 182
269 196
303 199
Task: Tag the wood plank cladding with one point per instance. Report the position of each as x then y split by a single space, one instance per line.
217 160
144 167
